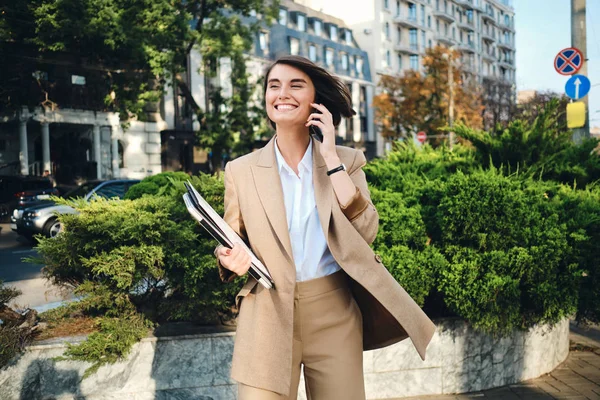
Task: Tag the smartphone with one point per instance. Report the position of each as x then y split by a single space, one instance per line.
315 131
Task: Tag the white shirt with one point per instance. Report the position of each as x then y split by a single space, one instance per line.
311 254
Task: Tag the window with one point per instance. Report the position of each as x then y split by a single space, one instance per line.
430 45
429 21
399 62
333 33
387 31
344 62
121 151
507 20
412 36
388 58
111 190
397 8
386 4
399 35
283 16
437 5
423 41
506 38
294 46
422 15
445 29
263 42
301 23
359 65
318 28
348 36
328 57
437 25
312 52
453 33
414 62
412 11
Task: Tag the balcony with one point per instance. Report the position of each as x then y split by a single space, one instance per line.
489 16
508 26
406 48
489 56
447 40
466 25
471 4
467 47
444 16
469 68
408 22
510 64
488 36
506 45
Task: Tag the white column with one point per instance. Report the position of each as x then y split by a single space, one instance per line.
97 155
356 106
342 128
23 151
115 158
46 146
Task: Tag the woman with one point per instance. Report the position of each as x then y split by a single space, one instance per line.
305 210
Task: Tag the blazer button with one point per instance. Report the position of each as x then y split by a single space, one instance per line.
378 258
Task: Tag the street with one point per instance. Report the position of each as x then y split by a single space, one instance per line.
27 277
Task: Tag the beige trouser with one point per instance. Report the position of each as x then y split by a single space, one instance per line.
327 341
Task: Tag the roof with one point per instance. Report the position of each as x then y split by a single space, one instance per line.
293 6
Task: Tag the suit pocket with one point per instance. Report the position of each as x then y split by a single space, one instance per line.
247 288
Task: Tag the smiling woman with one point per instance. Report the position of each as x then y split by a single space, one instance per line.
304 207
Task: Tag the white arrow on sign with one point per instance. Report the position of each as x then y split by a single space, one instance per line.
577 83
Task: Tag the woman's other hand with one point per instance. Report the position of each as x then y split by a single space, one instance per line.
236 259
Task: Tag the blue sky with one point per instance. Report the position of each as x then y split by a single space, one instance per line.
543 28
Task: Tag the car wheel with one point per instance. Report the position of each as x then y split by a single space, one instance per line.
52 228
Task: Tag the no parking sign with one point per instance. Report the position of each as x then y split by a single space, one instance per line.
568 61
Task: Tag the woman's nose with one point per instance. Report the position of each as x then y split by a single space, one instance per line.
283 93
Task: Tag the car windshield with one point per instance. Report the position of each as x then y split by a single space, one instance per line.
80 191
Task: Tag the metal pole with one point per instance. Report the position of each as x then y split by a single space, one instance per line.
579 40
450 102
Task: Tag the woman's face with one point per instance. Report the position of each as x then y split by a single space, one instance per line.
289 95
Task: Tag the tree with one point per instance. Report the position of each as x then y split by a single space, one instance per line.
128 50
498 102
419 101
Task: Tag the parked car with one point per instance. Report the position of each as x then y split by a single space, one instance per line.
42 218
21 191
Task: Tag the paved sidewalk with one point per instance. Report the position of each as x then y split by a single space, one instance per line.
578 378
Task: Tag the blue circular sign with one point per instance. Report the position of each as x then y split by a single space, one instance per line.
577 87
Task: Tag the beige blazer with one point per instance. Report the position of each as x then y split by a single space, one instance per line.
254 207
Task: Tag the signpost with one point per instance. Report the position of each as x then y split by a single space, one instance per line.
568 61
577 87
421 137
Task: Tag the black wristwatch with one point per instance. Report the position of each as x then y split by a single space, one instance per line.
342 167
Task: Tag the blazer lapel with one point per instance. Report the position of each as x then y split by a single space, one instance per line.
323 189
270 192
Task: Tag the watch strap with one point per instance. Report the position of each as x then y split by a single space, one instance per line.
341 167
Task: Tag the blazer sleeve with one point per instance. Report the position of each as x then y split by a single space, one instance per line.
360 211
233 217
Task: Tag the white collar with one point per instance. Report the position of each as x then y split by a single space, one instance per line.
305 163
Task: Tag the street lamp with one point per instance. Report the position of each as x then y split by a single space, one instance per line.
447 56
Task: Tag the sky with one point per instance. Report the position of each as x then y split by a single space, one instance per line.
543 28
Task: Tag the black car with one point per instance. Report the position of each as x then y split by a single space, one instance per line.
22 191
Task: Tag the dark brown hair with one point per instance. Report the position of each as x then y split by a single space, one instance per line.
329 90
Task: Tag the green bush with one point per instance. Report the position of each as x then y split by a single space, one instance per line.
144 257
13 339
154 184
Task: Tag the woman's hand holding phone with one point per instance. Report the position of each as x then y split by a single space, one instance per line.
323 120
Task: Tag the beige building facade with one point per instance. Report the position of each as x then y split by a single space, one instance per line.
396 33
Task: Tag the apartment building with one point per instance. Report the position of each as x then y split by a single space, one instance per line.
396 33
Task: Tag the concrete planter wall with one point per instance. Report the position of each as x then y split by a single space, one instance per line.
197 367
